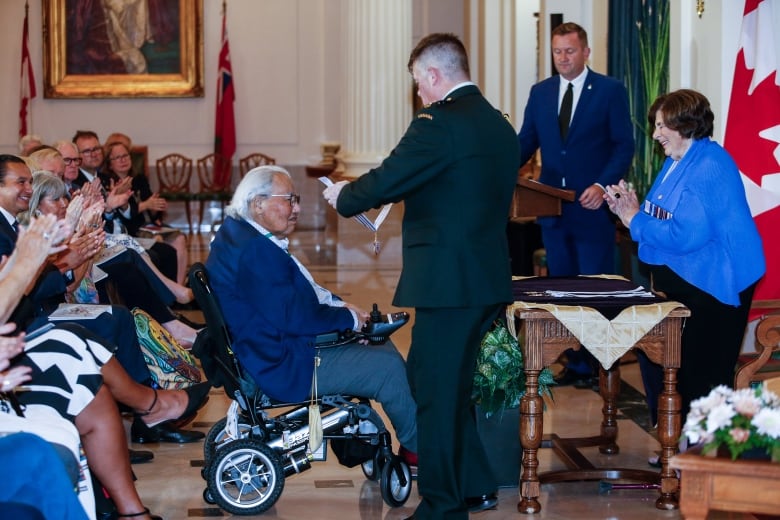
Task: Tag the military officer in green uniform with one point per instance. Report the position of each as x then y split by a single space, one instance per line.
455 168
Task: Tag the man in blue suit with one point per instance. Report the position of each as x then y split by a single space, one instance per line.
274 310
586 142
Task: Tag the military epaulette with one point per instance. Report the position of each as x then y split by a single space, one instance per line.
425 115
443 101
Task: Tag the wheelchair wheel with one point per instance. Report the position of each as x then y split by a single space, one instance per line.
217 436
207 497
394 492
245 477
373 467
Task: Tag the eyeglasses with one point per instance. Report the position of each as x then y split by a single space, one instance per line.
292 198
120 157
91 151
72 160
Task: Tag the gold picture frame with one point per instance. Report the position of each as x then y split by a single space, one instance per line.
79 61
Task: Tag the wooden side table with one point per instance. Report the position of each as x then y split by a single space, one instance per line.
726 485
545 338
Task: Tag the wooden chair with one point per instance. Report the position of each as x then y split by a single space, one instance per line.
139 155
215 173
174 172
253 160
765 363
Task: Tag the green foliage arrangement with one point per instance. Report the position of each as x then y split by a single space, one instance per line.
499 379
653 33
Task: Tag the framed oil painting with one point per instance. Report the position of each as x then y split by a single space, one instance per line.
122 48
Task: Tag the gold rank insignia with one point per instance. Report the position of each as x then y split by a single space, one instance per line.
425 115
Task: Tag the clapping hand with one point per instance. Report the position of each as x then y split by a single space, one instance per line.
10 347
119 194
153 203
622 201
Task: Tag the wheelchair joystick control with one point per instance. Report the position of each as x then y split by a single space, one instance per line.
375 316
380 326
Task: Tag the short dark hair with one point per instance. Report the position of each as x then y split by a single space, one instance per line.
80 134
4 160
685 111
445 49
568 28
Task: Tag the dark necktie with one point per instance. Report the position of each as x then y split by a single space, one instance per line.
564 116
15 225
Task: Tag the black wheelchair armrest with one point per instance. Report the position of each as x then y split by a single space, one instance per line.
376 330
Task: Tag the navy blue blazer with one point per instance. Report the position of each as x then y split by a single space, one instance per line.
271 310
599 146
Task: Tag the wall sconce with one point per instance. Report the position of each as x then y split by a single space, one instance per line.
700 7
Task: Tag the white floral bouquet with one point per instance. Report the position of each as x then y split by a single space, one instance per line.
740 420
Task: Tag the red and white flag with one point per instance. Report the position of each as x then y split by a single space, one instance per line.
225 127
753 130
27 85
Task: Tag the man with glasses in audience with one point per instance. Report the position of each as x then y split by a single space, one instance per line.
70 154
91 154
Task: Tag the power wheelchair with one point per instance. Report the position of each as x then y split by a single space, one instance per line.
249 453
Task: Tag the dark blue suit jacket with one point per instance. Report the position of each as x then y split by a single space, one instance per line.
599 146
270 308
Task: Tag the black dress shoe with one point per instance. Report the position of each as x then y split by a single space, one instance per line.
139 456
165 432
482 503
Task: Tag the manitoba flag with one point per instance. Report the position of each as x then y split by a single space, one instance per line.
753 130
27 84
225 127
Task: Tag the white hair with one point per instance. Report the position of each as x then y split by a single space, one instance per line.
257 182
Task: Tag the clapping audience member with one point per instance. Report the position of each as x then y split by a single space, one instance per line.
700 242
72 160
146 207
132 285
117 196
118 328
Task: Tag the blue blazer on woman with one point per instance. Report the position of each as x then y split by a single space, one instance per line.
271 310
703 230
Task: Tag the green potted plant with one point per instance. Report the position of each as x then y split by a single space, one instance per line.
499 384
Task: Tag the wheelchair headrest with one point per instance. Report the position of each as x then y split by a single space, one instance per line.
213 344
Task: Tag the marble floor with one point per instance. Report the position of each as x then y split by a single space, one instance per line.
344 261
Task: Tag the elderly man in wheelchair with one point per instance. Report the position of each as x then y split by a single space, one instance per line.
274 316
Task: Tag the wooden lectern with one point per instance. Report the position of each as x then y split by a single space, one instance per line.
534 199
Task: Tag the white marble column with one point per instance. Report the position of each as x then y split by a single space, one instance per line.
376 85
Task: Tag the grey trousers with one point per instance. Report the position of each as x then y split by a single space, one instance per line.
375 372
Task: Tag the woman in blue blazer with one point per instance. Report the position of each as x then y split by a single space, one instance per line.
696 233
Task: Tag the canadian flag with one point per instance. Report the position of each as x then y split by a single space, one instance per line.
753 130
